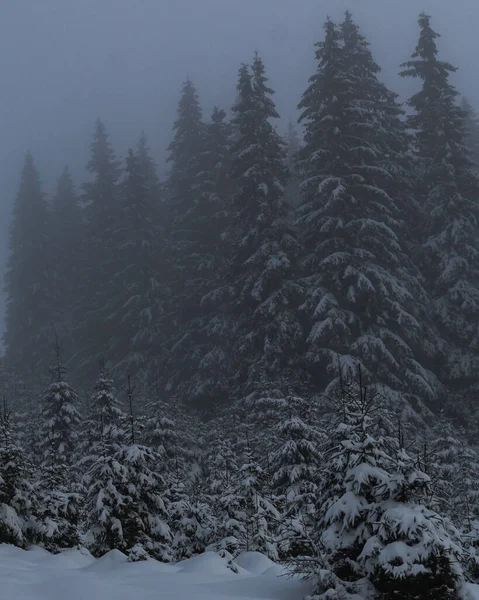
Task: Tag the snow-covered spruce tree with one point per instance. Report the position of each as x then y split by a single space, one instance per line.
192 521
360 293
262 272
99 259
255 515
60 500
415 553
448 188
161 434
65 231
138 307
295 466
28 281
18 499
125 506
198 359
374 534
355 467
454 467
61 425
104 431
142 511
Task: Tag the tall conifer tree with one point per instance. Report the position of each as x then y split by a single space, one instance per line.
100 266
448 188
264 263
359 301
197 360
139 304
66 229
28 282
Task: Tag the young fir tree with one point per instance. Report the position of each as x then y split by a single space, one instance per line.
104 424
59 497
198 356
192 521
295 466
28 285
65 230
99 260
448 188
18 499
251 516
374 535
61 425
415 553
360 291
263 269
454 467
125 500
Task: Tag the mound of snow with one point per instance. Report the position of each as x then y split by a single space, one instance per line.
78 557
254 562
114 556
208 563
110 560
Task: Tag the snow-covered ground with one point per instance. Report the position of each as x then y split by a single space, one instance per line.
75 575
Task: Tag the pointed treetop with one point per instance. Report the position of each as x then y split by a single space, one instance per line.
58 370
244 86
218 115
262 91
103 160
425 54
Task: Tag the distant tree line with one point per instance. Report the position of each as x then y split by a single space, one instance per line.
264 260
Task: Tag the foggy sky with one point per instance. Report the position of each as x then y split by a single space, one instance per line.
63 63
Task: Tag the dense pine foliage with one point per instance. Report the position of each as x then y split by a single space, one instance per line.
265 351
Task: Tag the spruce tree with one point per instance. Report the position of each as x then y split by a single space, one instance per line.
65 230
28 283
248 517
192 522
263 268
104 424
61 426
415 553
59 493
448 188
139 304
295 465
360 290
197 359
18 499
374 534
99 261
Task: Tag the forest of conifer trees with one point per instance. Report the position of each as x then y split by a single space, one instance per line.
275 349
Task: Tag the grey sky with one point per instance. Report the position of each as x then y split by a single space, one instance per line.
63 63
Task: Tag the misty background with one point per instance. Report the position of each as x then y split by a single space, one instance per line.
65 63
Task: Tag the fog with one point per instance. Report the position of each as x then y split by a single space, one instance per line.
64 63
